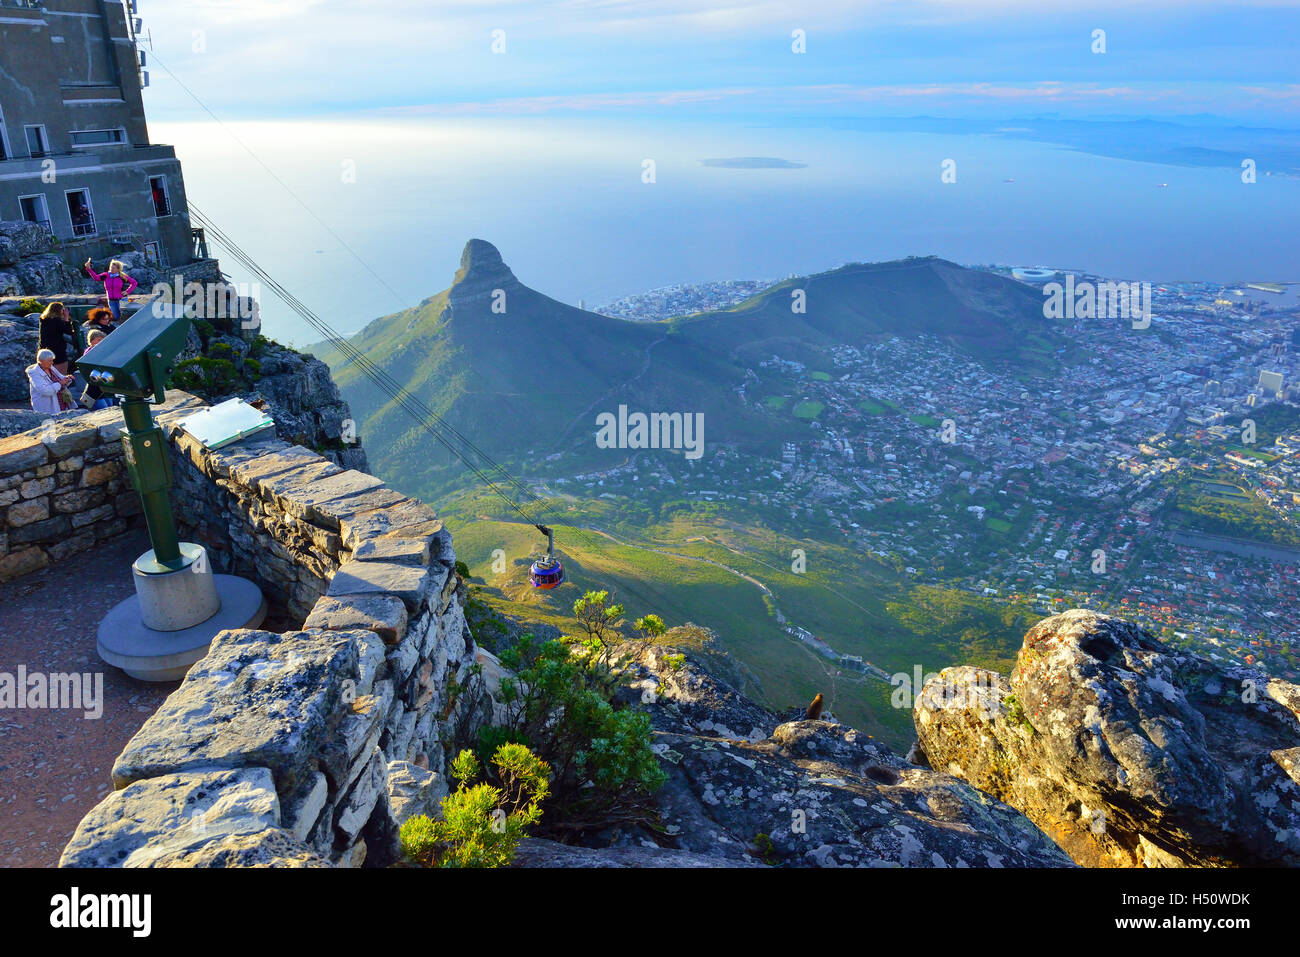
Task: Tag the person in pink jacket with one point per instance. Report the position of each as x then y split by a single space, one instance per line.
117 285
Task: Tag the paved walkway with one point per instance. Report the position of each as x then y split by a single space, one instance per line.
55 764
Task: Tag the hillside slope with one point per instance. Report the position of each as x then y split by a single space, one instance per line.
524 375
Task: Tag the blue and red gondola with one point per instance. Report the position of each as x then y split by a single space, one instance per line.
547 572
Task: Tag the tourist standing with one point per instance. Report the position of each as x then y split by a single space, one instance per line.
117 285
54 329
48 386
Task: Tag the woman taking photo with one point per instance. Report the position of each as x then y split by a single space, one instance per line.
48 386
56 326
117 285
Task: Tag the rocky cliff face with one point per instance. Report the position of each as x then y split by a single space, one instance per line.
28 265
745 787
482 272
1127 753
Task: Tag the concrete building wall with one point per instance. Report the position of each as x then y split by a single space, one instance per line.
70 68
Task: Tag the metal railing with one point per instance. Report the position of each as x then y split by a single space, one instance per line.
85 227
198 244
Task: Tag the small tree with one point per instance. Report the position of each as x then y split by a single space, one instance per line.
600 620
481 825
649 627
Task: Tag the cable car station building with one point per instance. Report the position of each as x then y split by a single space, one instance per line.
75 156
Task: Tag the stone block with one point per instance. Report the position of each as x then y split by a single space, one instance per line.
100 474
257 699
25 513
70 546
90 516
356 807
401 551
302 809
407 582
70 435
21 452
173 812
34 488
50 529
270 462
413 791
385 615
77 500
406 517
21 563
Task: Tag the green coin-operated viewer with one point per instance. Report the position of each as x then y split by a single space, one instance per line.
179 605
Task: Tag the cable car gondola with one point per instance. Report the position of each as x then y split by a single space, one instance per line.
547 572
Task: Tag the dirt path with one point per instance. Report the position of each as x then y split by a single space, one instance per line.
55 764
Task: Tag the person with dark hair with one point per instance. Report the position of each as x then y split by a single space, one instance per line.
100 319
54 329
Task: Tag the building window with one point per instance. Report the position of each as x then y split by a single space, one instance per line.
81 213
162 204
37 142
97 137
35 210
4 139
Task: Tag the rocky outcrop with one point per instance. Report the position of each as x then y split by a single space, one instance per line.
1128 753
482 272
28 265
539 852
19 338
744 787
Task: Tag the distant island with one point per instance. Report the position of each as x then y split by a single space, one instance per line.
753 162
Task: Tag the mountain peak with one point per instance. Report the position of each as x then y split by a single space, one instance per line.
482 270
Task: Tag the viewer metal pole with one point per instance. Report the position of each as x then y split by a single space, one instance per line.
146 456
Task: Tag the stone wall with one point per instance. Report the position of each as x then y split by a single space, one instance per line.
310 747
63 488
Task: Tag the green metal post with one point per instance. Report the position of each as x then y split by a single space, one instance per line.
147 461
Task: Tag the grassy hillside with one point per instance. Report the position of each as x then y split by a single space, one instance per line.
708 569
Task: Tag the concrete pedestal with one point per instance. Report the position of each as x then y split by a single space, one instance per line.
174 615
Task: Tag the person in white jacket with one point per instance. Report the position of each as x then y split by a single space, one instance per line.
44 382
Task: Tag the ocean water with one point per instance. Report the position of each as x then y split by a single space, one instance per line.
360 218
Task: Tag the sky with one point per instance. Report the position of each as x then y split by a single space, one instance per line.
295 58
364 142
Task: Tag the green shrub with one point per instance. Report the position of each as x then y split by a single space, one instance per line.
205 377
1016 713
481 824
28 306
559 702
